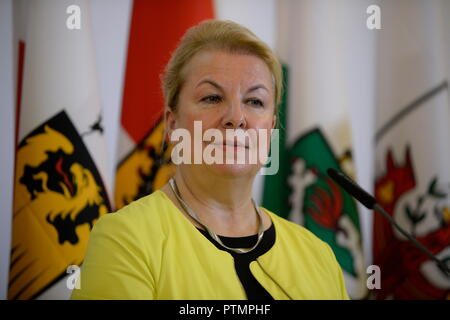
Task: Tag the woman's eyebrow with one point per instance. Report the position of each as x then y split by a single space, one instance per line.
211 82
218 86
256 87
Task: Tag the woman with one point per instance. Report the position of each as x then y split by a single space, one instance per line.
201 236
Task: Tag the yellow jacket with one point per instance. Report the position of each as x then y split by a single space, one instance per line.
150 250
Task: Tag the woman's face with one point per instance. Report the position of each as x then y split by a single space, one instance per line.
226 91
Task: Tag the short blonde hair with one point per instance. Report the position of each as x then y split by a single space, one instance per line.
222 35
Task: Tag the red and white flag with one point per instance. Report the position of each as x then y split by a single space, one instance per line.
156 28
412 149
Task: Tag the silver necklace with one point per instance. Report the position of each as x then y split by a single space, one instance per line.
211 233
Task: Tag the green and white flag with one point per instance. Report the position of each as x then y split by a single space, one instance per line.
318 134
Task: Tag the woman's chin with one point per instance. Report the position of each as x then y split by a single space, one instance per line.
234 170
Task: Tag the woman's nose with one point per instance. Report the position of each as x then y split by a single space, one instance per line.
234 117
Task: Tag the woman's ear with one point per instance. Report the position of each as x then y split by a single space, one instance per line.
274 121
169 122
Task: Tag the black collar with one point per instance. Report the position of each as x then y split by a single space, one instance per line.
266 243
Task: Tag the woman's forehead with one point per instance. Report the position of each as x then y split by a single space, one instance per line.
226 68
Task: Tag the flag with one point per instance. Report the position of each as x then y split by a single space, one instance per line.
156 28
317 134
59 190
412 151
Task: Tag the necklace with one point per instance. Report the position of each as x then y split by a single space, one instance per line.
211 233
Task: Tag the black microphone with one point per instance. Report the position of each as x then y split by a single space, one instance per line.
371 203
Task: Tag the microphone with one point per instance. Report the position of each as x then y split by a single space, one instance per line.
371 203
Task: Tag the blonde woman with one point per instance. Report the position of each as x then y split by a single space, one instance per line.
202 236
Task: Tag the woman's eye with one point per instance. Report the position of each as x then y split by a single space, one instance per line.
255 102
212 99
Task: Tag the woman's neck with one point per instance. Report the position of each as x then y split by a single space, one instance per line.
228 194
223 204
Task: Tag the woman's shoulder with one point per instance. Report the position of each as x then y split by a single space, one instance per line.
311 255
151 204
293 232
295 240
138 216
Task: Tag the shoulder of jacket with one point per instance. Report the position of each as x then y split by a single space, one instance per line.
138 215
295 232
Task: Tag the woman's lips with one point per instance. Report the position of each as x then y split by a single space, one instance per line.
231 144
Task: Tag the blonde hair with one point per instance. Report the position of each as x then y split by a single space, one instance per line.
222 35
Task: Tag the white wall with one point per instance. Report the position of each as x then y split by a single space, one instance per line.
362 46
6 139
